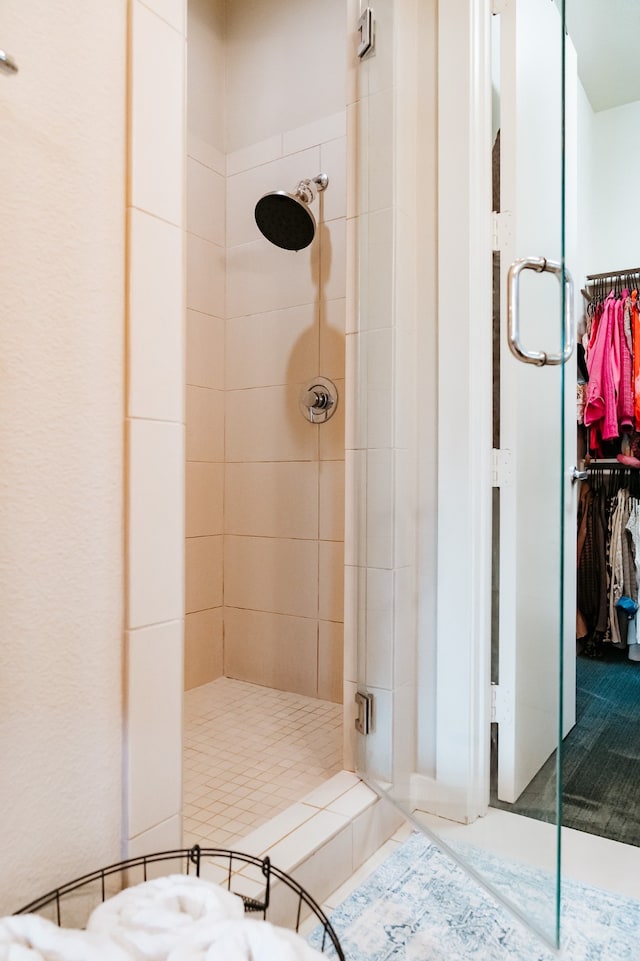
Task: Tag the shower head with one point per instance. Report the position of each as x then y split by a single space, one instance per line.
285 218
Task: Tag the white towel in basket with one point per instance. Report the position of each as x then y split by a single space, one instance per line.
246 940
151 918
29 937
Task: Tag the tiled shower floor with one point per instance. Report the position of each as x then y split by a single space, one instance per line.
250 752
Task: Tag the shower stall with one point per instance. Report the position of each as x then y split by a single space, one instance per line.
265 374
349 558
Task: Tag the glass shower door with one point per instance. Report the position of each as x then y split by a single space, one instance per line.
428 664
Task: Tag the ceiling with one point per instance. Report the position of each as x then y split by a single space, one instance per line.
605 34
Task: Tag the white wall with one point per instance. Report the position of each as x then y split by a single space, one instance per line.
616 147
61 442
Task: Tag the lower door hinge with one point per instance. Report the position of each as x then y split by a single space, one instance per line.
364 720
501 469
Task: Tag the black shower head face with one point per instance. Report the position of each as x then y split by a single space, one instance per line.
285 220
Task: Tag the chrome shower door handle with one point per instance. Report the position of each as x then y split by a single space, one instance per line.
7 63
538 357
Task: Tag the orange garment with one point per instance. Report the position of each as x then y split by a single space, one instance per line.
635 333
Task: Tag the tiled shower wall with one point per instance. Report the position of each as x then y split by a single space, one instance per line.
278 510
205 341
284 509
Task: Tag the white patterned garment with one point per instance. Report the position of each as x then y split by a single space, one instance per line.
633 526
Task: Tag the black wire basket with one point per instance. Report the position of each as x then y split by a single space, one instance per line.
275 895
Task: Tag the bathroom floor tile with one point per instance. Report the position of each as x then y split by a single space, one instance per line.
249 753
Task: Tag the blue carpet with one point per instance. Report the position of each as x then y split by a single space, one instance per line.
600 757
420 906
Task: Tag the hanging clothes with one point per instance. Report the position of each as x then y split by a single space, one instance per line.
608 561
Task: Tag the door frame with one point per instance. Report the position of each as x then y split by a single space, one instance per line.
460 781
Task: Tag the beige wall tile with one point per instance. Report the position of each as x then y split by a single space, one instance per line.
154 723
405 628
166 836
173 11
377 279
285 79
377 376
272 500
202 647
156 319
205 350
380 508
265 424
156 522
205 70
380 150
255 154
271 649
355 487
271 574
278 347
354 619
357 160
205 424
379 69
262 277
333 162
205 495
332 500
205 276
332 433
157 147
333 240
330 672
331 581
317 132
203 575
245 189
204 153
205 202
378 660
332 339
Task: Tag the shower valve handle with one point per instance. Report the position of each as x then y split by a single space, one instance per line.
318 400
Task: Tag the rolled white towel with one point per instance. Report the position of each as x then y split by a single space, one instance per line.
28 937
150 919
246 940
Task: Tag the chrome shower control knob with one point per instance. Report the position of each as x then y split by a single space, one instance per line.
318 400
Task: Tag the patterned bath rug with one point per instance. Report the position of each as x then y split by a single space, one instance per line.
420 906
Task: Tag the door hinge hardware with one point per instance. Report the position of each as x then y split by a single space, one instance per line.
495 704
364 720
366 26
501 469
500 229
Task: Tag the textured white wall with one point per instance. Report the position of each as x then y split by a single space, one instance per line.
62 162
616 149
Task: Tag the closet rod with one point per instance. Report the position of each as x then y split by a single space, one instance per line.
614 273
606 464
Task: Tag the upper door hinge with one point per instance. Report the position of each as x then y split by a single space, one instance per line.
501 229
501 470
366 28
